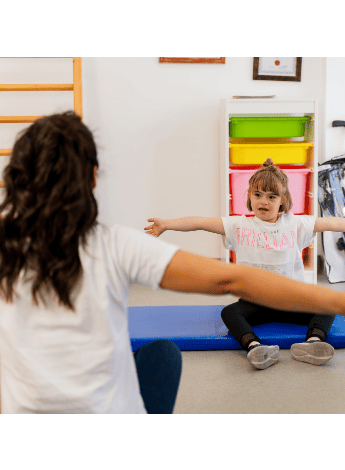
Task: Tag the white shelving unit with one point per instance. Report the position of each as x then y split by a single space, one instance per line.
270 107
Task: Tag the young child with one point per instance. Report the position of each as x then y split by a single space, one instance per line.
272 240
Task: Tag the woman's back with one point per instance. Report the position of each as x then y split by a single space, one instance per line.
58 361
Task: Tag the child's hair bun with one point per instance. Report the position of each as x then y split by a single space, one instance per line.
268 162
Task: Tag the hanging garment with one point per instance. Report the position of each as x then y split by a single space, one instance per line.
331 195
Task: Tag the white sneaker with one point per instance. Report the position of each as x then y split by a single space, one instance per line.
261 356
314 352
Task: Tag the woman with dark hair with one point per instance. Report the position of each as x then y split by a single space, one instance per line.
64 286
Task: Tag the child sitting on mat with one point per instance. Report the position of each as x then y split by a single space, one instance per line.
272 241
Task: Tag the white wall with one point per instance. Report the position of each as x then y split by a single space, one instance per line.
334 107
157 126
157 130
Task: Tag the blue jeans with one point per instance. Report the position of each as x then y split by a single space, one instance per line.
159 366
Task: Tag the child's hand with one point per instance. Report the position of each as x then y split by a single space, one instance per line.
157 228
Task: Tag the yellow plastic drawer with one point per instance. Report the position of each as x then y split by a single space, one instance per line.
257 154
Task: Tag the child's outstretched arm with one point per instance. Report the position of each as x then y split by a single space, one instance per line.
329 224
188 272
185 224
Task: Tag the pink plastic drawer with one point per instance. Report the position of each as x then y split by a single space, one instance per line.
239 182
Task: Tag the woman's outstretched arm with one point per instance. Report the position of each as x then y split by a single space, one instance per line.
188 272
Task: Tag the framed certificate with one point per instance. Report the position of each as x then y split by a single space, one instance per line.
277 68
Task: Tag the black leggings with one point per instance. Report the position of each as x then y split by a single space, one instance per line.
235 317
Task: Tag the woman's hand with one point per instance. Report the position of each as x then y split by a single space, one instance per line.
157 228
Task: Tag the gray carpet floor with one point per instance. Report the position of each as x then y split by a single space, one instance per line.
223 382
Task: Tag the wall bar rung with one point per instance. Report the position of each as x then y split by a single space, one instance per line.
37 87
8 119
5 152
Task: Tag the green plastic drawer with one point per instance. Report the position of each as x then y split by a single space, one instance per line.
268 126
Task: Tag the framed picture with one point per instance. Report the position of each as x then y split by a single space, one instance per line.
277 68
193 60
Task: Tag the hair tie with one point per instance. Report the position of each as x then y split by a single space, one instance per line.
268 163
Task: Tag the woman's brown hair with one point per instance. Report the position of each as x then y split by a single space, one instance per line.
271 178
50 205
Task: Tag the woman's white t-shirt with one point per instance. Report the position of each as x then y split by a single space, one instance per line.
54 360
276 247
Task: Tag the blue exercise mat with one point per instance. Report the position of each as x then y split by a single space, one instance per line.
200 327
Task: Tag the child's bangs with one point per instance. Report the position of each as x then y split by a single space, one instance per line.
267 182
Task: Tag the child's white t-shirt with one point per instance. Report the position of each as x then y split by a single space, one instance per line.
276 247
54 360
